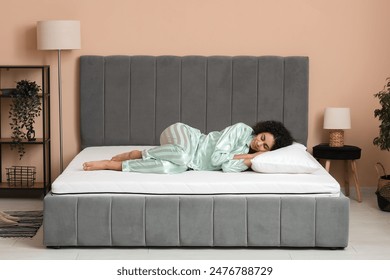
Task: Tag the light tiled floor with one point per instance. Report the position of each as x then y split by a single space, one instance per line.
369 239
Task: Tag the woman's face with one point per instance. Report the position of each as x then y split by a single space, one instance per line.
263 142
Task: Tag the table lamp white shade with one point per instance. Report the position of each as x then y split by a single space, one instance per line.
336 120
58 35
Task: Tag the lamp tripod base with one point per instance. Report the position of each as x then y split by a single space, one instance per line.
336 138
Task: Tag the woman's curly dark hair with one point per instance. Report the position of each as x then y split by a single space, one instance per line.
281 134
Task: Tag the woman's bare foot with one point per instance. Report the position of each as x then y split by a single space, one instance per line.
135 154
102 165
6 219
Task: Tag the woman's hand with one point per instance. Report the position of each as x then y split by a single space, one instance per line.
247 158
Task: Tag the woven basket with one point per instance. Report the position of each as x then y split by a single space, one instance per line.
383 190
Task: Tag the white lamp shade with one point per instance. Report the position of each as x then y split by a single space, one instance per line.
58 35
337 118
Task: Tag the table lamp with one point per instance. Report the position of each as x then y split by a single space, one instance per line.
336 120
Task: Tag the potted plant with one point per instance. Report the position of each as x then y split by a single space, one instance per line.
383 114
383 142
24 108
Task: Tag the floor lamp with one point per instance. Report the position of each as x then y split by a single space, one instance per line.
58 35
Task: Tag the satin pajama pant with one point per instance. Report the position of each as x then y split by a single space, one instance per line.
178 144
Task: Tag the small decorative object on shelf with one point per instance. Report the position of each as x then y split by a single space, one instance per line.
25 107
7 91
21 176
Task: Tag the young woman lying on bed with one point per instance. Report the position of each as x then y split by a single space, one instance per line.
184 147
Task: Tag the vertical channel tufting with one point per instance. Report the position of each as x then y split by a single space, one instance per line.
104 101
168 101
110 220
60 221
246 221
178 221
334 212
213 229
128 220
91 100
117 84
77 221
144 222
206 95
295 98
230 221
280 221
94 221
270 94
263 221
284 92
257 90
129 103
219 92
162 221
193 91
180 90
315 222
244 88
142 100
297 220
196 220
155 102
231 89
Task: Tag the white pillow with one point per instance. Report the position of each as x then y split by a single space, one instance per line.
290 159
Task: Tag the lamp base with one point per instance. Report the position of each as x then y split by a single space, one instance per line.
336 138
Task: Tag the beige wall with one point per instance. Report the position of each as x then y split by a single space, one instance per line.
347 42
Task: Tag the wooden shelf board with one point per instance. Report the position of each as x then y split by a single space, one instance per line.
37 185
9 141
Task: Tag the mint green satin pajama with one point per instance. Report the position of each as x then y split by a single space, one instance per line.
184 147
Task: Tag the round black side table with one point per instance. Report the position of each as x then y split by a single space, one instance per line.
346 153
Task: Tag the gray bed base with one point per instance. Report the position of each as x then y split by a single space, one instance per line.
186 220
129 100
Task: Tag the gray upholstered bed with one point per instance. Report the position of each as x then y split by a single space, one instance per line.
129 100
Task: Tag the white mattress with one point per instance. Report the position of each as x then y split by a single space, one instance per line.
76 181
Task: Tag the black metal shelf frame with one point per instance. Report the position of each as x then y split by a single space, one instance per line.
45 140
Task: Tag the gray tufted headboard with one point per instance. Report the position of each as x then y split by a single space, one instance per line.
129 100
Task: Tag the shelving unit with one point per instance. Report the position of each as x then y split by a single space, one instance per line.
42 72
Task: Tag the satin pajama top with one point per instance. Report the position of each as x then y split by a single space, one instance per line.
215 151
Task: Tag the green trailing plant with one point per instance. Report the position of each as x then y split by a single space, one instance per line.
383 114
24 108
